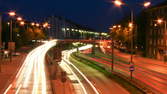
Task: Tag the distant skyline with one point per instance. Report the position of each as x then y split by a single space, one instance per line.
97 14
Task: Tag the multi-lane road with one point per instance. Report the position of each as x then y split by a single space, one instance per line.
32 76
94 81
150 72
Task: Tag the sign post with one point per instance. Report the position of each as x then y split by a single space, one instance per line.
57 55
11 48
131 69
63 80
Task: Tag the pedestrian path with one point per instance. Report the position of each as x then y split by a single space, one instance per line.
9 69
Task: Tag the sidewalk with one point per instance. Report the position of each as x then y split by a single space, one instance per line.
149 73
10 68
139 59
58 87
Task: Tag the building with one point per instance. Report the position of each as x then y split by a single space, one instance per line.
61 28
151 34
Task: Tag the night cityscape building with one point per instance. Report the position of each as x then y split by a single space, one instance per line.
61 28
156 35
150 36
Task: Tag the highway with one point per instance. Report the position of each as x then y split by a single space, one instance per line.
94 81
32 76
80 81
151 72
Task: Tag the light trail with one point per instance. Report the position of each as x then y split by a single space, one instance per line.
66 55
31 78
67 68
8 89
18 89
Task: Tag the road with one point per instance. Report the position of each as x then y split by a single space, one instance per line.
32 76
100 82
150 72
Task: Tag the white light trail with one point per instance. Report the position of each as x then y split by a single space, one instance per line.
66 59
8 89
32 73
67 68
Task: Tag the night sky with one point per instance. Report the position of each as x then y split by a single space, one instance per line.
97 14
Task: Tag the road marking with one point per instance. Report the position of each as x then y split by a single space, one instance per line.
8 89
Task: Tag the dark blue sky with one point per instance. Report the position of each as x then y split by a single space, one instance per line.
97 14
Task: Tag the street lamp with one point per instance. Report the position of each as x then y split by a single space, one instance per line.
146 4
45 25
118 3
131 24
37 24
11 14
112 43
22 23
161 21
32 24
19 19
11 44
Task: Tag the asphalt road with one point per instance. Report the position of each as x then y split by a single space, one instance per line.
151 72
32 76
103 84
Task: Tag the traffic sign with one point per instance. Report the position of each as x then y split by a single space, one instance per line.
132 68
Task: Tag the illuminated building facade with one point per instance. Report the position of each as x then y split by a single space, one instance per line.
156 33
61 28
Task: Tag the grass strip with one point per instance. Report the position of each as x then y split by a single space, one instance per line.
80 58
99 54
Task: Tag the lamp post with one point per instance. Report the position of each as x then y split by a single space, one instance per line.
112 66
112 43
11 14
0 38
119 3
11 44
0 30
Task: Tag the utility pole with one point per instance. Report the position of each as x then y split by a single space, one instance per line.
132 22
112 65
165 56
0 38
0 30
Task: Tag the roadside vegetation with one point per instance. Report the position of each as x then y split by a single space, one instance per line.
85 59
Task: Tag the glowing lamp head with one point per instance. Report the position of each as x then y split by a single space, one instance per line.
114 26
12 13
147 4
45 25
118 2
119 26
159 21
22 23
131 25
37 25
19 19
8 23
32 24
